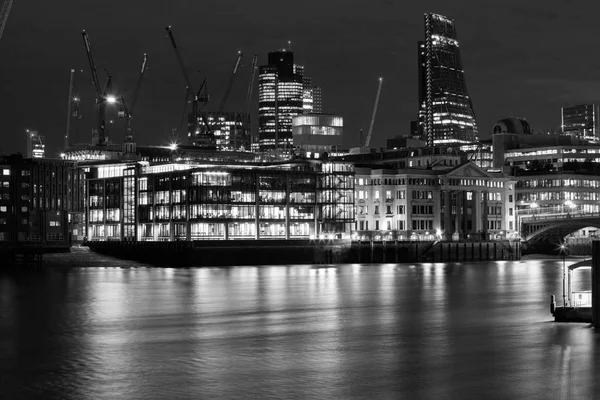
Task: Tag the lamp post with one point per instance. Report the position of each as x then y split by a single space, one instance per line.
534 206
563 251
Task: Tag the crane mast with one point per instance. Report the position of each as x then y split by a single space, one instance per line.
251 88
230 84
200 97
370 133
69 106
100 94
4 14
128 111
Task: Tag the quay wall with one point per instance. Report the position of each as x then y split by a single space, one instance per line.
277 252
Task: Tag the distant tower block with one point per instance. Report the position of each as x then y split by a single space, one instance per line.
36 146
445 109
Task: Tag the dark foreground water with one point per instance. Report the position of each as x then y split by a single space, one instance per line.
397 331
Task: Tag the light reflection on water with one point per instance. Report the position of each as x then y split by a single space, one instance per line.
455 330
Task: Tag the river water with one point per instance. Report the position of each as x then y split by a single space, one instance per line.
99 328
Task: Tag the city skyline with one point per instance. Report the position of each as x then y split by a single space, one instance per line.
506 61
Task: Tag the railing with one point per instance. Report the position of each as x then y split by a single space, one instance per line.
538 217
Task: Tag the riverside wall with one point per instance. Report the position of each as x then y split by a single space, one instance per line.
277 252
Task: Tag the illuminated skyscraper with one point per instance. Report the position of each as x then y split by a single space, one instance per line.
582 122
280 98
445 109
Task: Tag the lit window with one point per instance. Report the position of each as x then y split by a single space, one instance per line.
6 172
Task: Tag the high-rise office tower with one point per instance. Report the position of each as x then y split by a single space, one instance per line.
280 98
445 109
581 121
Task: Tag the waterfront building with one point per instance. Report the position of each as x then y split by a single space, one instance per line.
461 203
41 201
581 121
446 112
219 200
556 179
280 98
317 133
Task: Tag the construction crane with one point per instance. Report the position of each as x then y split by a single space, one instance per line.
231 79
4 15
253 69
251 83
199 97
127 111
370 132
102 97
69 109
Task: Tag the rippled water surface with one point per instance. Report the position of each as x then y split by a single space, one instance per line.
98 328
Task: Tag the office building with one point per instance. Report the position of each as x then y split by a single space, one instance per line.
317 133
231 130
219 201
446 112
41 201
459 203
280 98
582 122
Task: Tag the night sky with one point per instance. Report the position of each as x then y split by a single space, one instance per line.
523 59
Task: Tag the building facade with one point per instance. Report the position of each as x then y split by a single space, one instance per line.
231 130
280 98
556 179
166 202
317 133
581 121
41 201
446 112
463 203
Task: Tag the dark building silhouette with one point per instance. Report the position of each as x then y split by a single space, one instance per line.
445 109
41 201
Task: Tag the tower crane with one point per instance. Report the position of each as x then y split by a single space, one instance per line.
251 86
127 111
4 14
231 79
199 97
69 109
102 96
370 133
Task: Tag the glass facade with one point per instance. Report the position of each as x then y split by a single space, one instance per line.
446 112
295 200
280 98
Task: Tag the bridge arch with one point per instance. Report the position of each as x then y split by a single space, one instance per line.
555 231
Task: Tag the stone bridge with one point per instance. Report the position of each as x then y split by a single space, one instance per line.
552 228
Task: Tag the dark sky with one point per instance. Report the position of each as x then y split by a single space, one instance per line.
521 58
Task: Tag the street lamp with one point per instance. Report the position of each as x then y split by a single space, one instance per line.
534 206
563 249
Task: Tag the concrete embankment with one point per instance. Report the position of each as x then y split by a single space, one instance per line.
228 253
395 252
272 252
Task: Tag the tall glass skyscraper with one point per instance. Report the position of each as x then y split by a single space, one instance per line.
280 98
445 109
